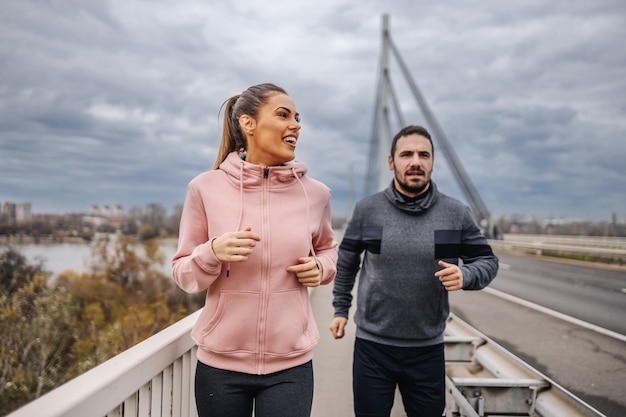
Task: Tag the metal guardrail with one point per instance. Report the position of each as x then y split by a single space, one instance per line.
570 240
610 250
484 379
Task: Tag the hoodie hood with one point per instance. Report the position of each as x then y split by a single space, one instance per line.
249 175
412 207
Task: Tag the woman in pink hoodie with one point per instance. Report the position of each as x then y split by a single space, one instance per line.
256 232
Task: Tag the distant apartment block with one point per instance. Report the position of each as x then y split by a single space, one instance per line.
16 212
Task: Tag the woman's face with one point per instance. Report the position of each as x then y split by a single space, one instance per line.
272 136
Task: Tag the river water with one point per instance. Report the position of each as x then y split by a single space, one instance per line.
59 257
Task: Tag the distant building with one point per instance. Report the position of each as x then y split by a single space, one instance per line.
95 221
16 212
108 211
23 212
7 212
118 211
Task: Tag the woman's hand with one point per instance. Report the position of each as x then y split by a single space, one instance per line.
235 246
308 271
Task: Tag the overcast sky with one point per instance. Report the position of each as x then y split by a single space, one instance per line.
117 102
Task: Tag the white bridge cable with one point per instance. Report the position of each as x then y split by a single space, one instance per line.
455 164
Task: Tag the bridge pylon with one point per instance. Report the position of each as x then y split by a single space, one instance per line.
387 105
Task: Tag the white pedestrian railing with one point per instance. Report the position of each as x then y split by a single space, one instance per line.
152 379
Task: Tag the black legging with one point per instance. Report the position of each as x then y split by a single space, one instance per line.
221 393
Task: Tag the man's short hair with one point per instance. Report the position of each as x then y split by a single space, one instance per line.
411 130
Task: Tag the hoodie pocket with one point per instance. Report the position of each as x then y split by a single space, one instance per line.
233 326
287 324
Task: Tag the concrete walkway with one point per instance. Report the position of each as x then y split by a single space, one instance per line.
332 362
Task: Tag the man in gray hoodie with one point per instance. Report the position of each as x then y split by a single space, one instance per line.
413 237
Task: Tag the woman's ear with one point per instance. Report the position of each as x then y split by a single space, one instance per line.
247 124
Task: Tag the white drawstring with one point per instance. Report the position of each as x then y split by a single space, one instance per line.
240 208
308 229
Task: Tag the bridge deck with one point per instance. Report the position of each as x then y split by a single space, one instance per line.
333 363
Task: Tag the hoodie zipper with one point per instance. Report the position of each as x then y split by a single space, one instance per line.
265 272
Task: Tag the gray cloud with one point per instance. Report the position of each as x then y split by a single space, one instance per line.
117 102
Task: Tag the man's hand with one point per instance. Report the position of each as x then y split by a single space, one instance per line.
308 271
337 327
450 276
235 246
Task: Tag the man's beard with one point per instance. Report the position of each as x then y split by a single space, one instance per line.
416 189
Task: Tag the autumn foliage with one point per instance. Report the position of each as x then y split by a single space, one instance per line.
55 328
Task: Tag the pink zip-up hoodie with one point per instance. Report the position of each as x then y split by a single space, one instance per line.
257 317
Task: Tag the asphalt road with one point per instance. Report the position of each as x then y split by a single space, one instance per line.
589 364
589 293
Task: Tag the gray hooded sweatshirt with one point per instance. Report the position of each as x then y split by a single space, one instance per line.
400 302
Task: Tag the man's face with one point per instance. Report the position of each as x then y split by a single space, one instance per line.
412 164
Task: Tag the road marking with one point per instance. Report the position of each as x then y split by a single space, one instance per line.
556 314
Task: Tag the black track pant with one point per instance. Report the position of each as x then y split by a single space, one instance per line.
418 372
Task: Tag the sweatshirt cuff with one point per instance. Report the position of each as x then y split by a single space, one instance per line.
205 258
